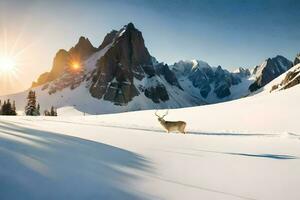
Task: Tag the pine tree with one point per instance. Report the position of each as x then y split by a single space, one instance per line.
14 110
8 108
38 110
5 108
31 107
53 111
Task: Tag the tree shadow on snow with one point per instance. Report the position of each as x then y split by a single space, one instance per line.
36 164
270 156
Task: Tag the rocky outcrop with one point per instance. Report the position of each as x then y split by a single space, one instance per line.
223 81
127 61
297 59
291 79
164 71
269 70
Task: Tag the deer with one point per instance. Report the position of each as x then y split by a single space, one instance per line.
171 125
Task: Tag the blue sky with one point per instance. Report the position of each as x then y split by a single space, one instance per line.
229 33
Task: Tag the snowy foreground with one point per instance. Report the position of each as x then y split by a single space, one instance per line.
244 149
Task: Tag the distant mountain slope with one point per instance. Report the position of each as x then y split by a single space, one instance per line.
214 84
269 70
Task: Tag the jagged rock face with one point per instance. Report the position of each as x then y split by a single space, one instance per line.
164 70
128 59
297 59
223 81
291 79
63 59
202 78
269 70
206 78
157 94
108 39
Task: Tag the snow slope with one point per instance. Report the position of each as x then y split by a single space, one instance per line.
243 149
81 100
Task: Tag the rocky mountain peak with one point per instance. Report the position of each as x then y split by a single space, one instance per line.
126 62
242 72
268 70
83 48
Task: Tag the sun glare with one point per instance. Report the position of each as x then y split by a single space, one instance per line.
7 64
75 65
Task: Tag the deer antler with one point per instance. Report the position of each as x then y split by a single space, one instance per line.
165 114
156 114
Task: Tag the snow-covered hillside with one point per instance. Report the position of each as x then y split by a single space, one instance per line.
268 113
81 100
243 149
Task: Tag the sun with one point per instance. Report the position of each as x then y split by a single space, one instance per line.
7 64
76 65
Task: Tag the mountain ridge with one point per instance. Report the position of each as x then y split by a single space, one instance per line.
121 73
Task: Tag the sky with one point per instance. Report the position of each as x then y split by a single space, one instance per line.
230 33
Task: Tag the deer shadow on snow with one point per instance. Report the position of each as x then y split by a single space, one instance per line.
38 164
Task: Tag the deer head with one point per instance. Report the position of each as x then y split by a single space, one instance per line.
161 118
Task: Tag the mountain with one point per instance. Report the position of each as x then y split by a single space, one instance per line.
120 75
269 70
126 70
214 84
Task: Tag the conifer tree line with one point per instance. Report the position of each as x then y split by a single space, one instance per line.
32 107
7 108
52 112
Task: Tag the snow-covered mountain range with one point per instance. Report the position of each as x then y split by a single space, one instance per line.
120 75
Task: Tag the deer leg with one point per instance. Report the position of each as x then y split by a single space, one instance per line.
183 130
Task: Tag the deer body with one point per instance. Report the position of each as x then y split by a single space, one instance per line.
170 126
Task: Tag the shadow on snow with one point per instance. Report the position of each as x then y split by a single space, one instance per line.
38 164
